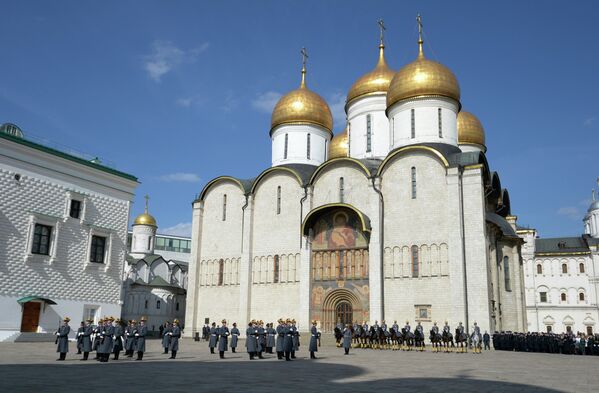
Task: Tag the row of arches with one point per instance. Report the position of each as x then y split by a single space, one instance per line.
561 295
551 267
416 261
148 303
172 273
219 272
275 269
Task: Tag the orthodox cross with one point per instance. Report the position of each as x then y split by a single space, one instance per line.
304 53
147 198
382 28
419 21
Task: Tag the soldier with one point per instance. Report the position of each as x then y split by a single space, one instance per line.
459 336
118 339
295 338
175 335
407 327
435 328
166 337
487 340
97 330
270 337
251 341
376 326
347 335
140 335
234 337
365 327
395 327
213 338
434 335
223 338
79 337
62 338
383 326
261 338
130 338
314 340
288 340
420 330
106 336
280 339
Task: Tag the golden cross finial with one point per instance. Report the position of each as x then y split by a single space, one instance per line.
304 53
382 29
147 198
420 41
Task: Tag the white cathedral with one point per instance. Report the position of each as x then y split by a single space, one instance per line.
398 217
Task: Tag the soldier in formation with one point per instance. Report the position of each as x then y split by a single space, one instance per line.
314 340
175 335
347 336
234 337
79 337
117 346
564 343
213 338
271 334
62 339
166 337
140 338
223 338
86 338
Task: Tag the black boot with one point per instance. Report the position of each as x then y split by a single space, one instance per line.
221 354
85 355
287 355
279 355
260 355
347 351
292 354
140 355
165 351
251 355
63 355
312 355
233 350
212 350
173 354
116 355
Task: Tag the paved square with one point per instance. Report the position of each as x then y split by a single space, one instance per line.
31 367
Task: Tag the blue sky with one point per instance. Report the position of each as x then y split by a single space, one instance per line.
179 92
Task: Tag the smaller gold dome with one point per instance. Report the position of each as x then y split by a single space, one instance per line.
339 146
376 81
470 129
302 106
145 219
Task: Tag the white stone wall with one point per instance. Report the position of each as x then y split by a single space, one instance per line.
142 240
357 112
297 144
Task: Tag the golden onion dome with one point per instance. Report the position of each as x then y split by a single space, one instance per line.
470 129
302 106
376 81
422 77
145 218
339 146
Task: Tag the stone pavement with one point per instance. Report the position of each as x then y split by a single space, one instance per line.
31 367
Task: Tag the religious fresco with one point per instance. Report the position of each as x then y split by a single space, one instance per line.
337 230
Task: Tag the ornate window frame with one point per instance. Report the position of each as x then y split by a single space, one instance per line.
109 234
43 219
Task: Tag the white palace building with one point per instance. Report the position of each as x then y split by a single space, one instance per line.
399 217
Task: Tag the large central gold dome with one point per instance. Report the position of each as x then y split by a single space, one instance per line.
376 81
470 129
423 77
302 106
339 146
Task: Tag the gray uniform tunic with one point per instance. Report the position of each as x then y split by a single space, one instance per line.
174 338
251 343
140 345
213 338
288 339
223 341
446 329
408 328
87 339
347 338
313 339
166 337
130 340
234 337
118 338
295 338
261 338
280 338
106 343
63 339
270 337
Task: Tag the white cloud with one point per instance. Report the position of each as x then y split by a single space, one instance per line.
337 105
187 102
266 102
570 212
181 229
184 102
165 56
180 177
230 102
589 121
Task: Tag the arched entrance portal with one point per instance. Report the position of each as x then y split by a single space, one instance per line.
339 236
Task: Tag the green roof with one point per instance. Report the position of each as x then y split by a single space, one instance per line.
66 156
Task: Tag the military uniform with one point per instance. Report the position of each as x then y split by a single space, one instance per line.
251 342
347 336
288 340
86 340
79 337
223 339
295 339
130 338
166 337
62 339
140 342
105 348
213 338
261 338
280 339
97 330
175 335
314 335
234 337
270 337
117 345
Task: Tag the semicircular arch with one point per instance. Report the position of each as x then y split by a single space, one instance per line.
338 160
265 173
410 149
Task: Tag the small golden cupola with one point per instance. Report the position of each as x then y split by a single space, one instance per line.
422 77
376 81
145 218
470 131
302 106
339 146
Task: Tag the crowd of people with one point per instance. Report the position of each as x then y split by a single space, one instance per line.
112 336
564 343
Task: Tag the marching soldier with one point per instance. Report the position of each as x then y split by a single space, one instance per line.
140 335
213 337
86 340
270 337
261 338
97 331
295 339
62 338
280 339
130 338
347 335
315 334
223 339
166 337
288 340
118 339
234 337
175 335
106 343
80 337
251 341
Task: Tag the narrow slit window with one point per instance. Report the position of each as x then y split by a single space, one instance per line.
279 200
286 145
224 207
221 271
413 112
341 190
414 261
392 142
308 147
326 143
506 273
581 267
275 277
413 182
368 133
440 123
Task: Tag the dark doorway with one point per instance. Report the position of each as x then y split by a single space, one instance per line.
31 317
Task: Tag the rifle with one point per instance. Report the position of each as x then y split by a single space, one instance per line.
318 339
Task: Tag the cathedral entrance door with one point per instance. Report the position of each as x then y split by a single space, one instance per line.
31 317
344 313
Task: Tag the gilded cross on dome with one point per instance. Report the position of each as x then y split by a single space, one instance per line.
419 21
304 53
382 28
147 198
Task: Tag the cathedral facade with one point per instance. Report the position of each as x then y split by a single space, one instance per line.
398 217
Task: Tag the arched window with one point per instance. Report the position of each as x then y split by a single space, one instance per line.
146 304
286 145
413 182
308 147
177 306
368 134
414 261
440 119
413 115
581 296
581 267
539 269
221 271
563 297
275 276
564 268
158 304
224 207
506 273
341 190
279 200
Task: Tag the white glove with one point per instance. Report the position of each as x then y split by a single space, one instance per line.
136 334
58 334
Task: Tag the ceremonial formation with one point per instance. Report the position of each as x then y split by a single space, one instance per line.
566 343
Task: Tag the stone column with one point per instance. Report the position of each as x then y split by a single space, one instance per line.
455 247
304 271
245 267
193 284
375 269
